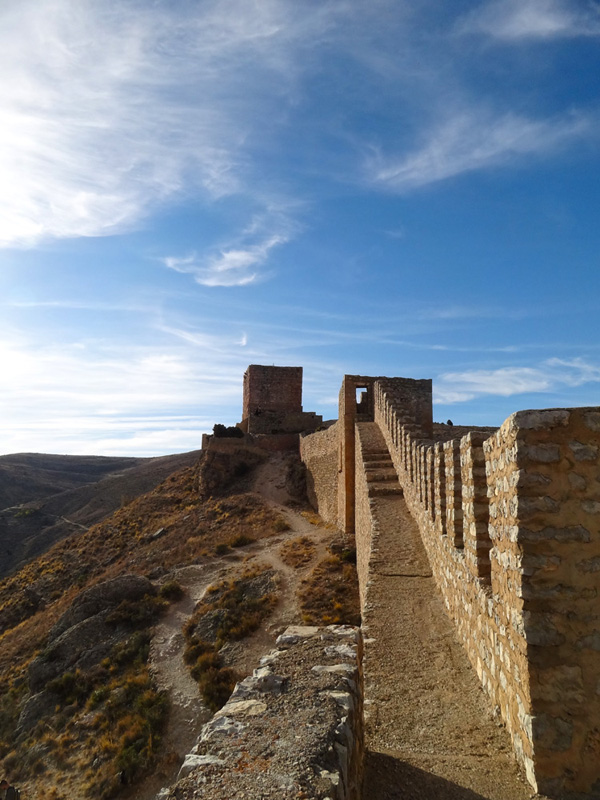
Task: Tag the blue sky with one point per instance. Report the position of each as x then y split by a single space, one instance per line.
381 188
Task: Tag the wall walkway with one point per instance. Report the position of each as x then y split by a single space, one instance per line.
428 725
510 521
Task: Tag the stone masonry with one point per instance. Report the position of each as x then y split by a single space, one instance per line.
510 520
291 730
273 402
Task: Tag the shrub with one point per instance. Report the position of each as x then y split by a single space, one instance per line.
230 432
297 552
137 613
241 540
195 648
280 525
245 602
204 663
132 651
216 686
171 590
329 596
70 687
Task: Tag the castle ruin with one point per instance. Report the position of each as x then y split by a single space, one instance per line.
510 520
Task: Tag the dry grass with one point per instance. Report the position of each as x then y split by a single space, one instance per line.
125 542
297 552
317 521
109 722
238 607
329 596
280 525
106 722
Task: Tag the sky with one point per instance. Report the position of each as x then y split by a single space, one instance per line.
384 187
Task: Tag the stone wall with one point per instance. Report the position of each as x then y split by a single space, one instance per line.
552 515
273 402
293 729
272 389
510 519
511 526
320 453
364 523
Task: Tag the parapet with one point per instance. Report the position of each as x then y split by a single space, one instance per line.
510 521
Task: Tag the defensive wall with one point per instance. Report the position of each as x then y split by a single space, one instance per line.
293 729
510 519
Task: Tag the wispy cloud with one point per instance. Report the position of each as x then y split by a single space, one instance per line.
96 127
110 109
235 266
241 261
103 398
533 19
473 140
553 374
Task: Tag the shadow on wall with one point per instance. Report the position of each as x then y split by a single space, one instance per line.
393 779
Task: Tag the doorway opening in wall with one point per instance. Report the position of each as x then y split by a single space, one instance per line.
362 399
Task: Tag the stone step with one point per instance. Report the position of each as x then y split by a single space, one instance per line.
381 475
380 464
382 489
369 455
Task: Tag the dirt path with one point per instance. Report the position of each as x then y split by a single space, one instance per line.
187 711
430 731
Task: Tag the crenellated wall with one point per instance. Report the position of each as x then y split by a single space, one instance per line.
511 526
510 519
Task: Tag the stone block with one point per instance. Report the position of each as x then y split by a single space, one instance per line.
552 733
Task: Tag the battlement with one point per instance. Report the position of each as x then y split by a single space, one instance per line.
510 521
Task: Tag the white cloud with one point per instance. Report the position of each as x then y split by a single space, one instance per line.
240 261
533 19
94 130
551 375
117 399
109 109
229 267
472 140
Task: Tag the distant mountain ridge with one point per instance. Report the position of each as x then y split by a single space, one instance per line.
44 498
32 476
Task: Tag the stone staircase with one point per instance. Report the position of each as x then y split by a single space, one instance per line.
379 468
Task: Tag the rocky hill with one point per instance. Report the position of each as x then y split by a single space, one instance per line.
44 498
120 641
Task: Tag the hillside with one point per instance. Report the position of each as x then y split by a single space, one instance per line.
61 495
32 476
117 643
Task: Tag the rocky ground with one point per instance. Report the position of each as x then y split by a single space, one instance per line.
188 713
430 732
